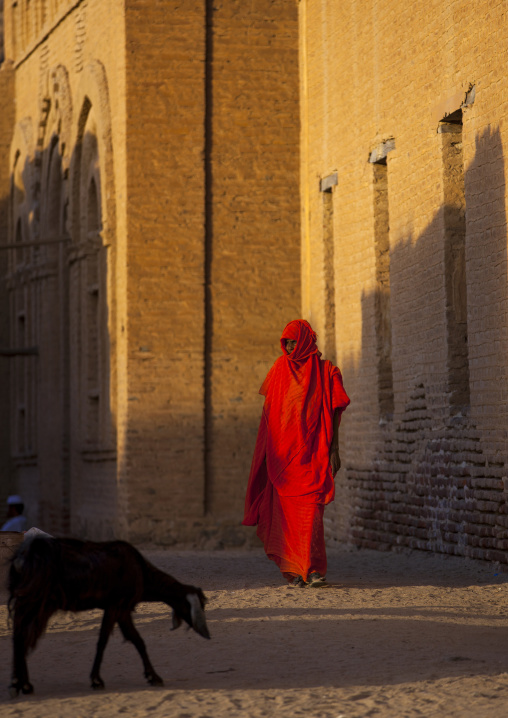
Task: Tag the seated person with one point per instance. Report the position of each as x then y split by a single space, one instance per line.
15 519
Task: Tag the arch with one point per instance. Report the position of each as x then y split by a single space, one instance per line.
60 119
89 227
53 147
93 289
45 285
20 229
93 93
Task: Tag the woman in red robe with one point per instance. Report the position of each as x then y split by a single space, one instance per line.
296 457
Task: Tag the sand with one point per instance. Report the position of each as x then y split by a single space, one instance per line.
395 635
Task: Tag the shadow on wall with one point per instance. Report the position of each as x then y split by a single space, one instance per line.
6 125
61 288
62 433
6 486
432 477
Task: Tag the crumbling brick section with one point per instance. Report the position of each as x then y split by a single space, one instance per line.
431 489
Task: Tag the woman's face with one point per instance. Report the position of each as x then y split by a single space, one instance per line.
290 345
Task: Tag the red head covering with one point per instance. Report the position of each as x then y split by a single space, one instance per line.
294 396
300 331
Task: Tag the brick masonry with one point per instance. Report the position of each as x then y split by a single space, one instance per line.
432 476
159 142
177 150
255 228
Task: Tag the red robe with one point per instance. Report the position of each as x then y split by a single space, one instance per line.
291 479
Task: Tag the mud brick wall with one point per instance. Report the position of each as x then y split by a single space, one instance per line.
159 142
67 59
165 44
254 227
432 475
213 251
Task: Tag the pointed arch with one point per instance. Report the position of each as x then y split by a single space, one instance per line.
93 93
23 401
53 148
92 300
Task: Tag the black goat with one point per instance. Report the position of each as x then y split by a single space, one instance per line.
51 574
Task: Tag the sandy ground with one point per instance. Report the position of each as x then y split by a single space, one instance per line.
395 635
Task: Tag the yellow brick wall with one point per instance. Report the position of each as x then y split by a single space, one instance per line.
165 45
213 269
80 42
195 111
370 72
212 143
255 229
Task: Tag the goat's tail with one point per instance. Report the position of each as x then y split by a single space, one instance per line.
32 583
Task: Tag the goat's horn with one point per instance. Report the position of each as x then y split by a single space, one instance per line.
198 615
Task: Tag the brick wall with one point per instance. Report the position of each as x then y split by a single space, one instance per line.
65 60
213 277
165 44
432 477
255 227
155 329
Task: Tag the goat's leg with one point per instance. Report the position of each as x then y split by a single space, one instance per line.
108 621
19 679
28 624
131 634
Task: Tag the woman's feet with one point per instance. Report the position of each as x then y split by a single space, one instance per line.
315 580
297 582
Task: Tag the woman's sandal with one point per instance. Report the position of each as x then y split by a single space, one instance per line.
315 580
297 582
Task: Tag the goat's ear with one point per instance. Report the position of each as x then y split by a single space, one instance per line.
197 615
177 621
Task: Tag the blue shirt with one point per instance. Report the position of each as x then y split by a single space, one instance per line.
16 523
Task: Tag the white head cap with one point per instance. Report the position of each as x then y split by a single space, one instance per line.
14 499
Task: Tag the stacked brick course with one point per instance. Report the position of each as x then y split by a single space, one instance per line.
431 489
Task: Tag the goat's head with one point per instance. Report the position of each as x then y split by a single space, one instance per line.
191 609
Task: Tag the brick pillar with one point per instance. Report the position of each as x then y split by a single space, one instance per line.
164 461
